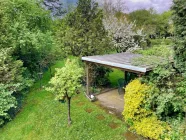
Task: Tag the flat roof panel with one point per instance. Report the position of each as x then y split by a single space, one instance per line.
119 60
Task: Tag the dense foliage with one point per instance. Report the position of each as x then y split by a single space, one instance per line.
10 70
25 27
66 80
12 83
82 32
155 56
25 49
7 101
180 34
155 107
155 25
141 119
167 97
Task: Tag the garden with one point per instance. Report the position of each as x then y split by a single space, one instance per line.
43 78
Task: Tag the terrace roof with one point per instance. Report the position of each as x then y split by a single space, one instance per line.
121 61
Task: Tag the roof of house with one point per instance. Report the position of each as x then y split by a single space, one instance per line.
119 60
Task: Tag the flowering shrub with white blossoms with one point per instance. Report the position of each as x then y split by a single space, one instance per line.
122 34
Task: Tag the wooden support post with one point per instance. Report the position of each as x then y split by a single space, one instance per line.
140 75
87 80
126 75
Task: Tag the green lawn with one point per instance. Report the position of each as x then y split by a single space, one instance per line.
114 76
43 118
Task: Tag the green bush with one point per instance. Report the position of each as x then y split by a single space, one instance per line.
155 56
158 50
26 28
140 118
168 41
167 98
180 34
7 101
26 46
11 82
153 112
101 75
149 127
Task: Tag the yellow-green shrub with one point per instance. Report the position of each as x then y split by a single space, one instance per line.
134 97
144 122
149 127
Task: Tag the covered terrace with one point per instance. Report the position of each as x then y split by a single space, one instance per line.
122 61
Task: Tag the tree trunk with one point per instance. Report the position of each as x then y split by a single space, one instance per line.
68 103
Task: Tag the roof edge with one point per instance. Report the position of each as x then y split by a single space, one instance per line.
123 66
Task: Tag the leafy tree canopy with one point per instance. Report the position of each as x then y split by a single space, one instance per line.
26 28
11 81
25 43
66 82
152 22
82 31
179 13
66 79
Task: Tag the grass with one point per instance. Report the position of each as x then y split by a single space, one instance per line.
43 118
114 76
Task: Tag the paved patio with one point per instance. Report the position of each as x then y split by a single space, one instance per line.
112 101
114 104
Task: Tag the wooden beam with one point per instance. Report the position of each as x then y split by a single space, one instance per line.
126 66
87 79
137 72
125 72
140 75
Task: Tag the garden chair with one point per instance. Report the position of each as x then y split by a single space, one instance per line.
121 85
123 82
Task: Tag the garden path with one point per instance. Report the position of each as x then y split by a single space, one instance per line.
113 103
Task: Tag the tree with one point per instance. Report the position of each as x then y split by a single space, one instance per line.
151 22
179 20
55 6
25 41
27 29
11 82
82 31
145 19
66 82
12 71
116 8
122 33
163 24
113 7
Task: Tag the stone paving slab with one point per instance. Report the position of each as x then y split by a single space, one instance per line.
112 99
